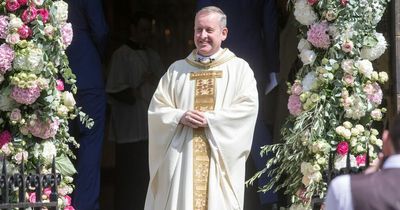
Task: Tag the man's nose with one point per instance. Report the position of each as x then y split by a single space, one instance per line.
203 34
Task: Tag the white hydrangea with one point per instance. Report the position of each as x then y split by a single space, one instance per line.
61 14
31 60
372 53
304 13
365 67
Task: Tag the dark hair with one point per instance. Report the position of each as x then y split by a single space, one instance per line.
137 16
394 132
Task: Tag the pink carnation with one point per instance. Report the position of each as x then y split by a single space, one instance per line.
29 14
12 5
68 200
32 197
44 130
22 2
44 14
360 159
69 208
342 148
24 32
318 35
6 58
294 105
25 95
59 85
67 34
3 26
374 93
5 137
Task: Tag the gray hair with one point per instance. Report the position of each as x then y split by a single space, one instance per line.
215 10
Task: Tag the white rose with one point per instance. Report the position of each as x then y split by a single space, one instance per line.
346 133
376 114
15 22
347 124
19 156
374 132
365 67
339 130
307 57
353 141
62 111
12 38
49 151
383 77
360 128
68 99
355 132
303 45
348 66
379 143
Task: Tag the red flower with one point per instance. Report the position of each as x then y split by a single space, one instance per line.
24 32
312 2
29 15
342 148
360 159
344 2
12 5
44 14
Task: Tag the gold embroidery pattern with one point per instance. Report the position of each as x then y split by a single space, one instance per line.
204 101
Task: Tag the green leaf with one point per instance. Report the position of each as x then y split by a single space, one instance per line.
65 166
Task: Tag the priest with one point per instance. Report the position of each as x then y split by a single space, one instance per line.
201 124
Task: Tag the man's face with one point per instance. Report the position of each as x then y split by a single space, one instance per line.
142 32
208 34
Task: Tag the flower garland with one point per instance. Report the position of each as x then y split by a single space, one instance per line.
334 100
34 107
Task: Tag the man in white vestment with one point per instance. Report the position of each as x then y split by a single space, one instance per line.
201 124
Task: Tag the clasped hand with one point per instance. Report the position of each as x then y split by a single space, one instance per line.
194 119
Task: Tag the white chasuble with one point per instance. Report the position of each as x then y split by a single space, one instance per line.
197 169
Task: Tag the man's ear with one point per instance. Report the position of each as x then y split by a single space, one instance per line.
224 33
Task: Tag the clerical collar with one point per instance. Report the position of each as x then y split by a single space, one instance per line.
135 45
208 59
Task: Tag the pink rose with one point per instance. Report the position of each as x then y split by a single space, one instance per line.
24 32
68 200
347 46
296 89
32 197
29 14
44 14
69 208
342 148
348 79
360 159
59 85
5 137
22 2
312 2
15 114
12 5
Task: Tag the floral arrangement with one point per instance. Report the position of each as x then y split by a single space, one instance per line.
34 106
334 102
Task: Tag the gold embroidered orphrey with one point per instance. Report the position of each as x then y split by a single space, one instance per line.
204 101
